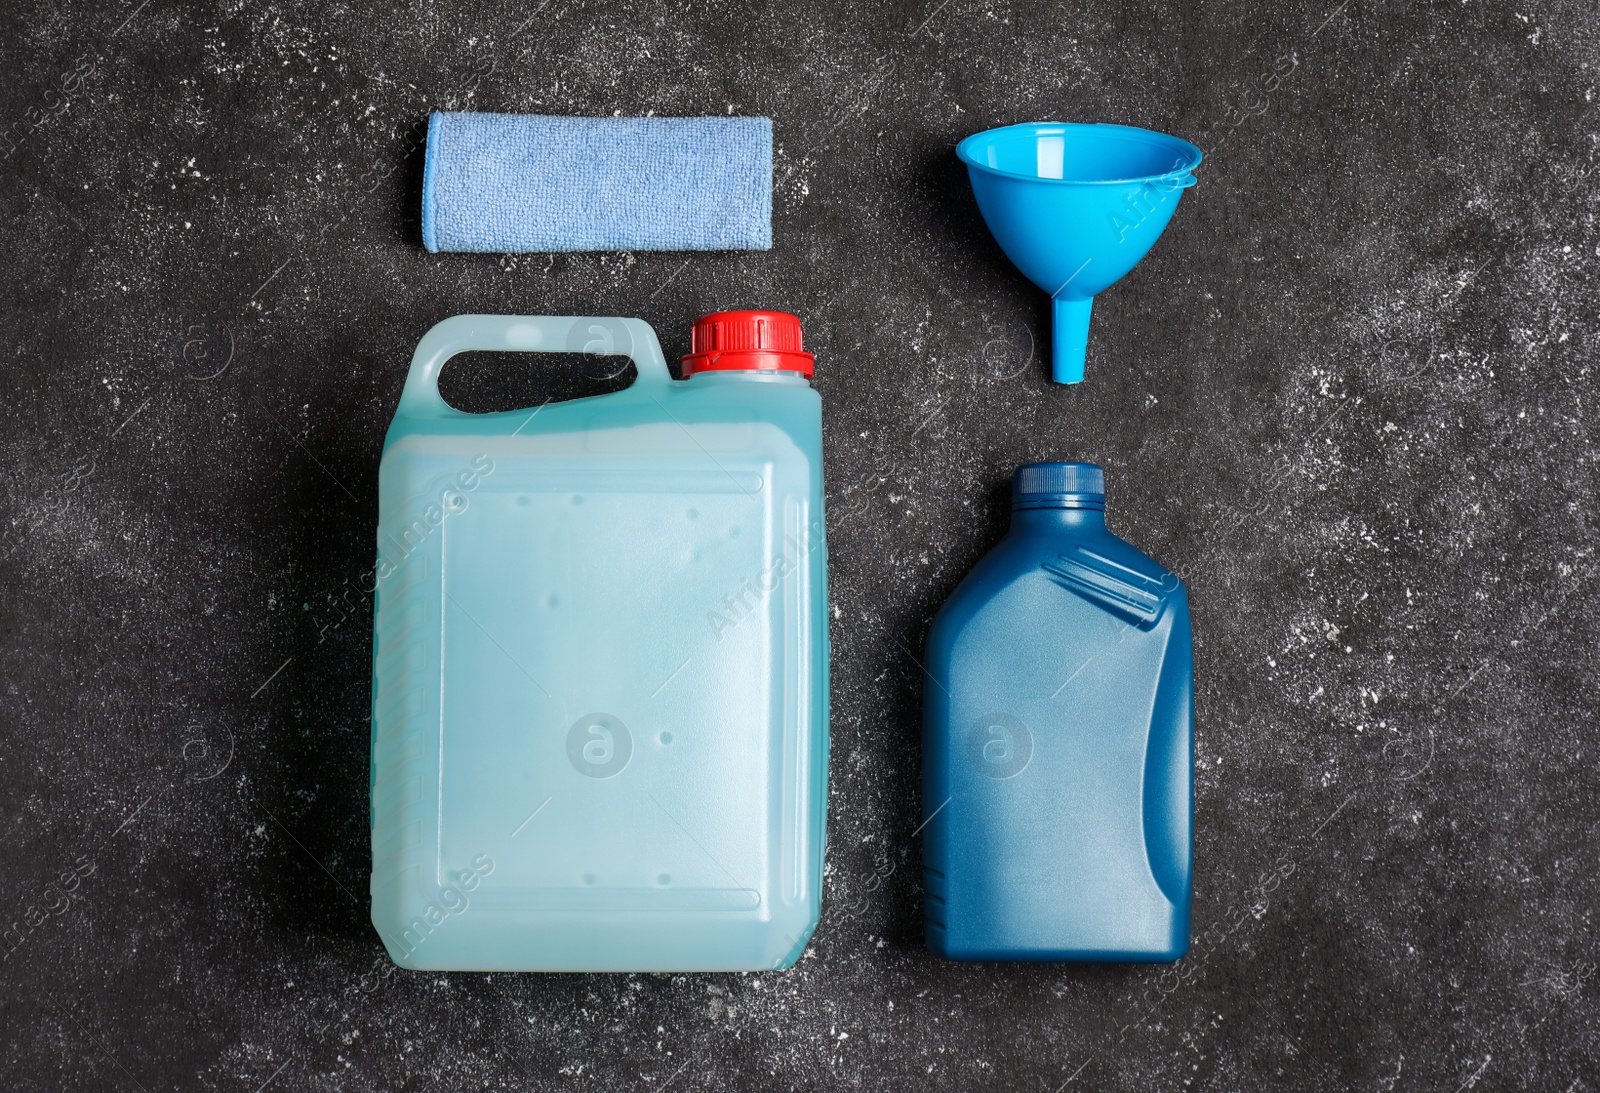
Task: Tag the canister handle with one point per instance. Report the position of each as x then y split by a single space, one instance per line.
524 334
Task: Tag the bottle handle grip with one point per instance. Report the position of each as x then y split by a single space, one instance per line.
523 334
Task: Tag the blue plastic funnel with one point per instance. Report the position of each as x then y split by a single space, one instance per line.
1076 207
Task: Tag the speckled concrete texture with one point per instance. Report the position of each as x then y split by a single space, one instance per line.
1350 396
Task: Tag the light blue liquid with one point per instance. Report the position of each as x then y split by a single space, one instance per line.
600 668
1058 750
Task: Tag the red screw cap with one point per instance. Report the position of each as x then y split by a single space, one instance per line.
752 340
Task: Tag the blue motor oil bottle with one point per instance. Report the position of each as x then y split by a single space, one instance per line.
1058 732
600 690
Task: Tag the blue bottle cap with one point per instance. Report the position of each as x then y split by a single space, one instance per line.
1058 485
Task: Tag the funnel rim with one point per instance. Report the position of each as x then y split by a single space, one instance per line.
1130 132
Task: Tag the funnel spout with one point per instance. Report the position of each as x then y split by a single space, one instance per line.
1069 338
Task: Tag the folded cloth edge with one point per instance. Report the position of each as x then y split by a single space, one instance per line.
430 170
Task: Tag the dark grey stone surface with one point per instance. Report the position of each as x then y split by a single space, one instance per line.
1350 396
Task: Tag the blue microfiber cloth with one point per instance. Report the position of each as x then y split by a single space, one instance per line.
502 183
